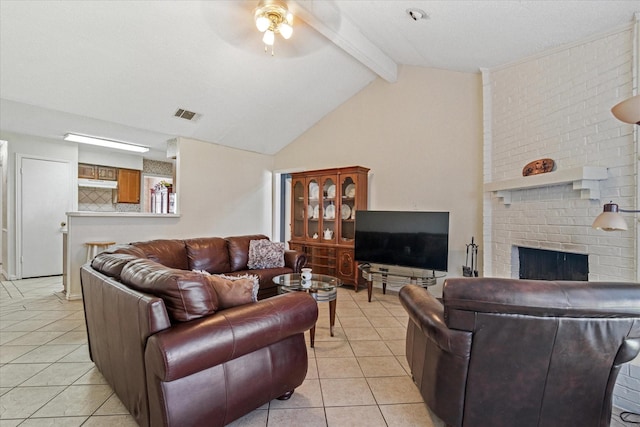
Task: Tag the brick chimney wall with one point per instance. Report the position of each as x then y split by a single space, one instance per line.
558 105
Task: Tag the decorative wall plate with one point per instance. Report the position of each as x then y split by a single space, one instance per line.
313 190
350 191
331 191
330 212
346 212
538 166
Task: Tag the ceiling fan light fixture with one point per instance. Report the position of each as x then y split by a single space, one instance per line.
262 23
286 30
272 17
268 38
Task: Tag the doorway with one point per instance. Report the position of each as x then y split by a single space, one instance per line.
43 197
281 206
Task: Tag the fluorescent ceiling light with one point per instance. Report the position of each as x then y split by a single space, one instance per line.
83 139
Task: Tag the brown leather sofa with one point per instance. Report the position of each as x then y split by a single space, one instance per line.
505 352
215 255
157 335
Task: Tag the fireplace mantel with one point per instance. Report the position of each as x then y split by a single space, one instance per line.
584 179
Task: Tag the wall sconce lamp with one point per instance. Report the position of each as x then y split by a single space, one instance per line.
628 111
611 219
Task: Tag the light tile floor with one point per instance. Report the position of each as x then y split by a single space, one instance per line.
358 377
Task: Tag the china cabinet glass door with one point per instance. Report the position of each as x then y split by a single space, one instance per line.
348 208
329 209
299 211
313 209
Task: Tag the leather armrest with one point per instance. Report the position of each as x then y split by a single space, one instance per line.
295 260
193 346
428 314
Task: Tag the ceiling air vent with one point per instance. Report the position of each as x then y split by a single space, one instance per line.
186 114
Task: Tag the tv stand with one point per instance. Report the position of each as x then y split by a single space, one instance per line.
397 276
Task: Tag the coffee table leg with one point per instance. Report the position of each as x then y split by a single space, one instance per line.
312 334
384 284
332 315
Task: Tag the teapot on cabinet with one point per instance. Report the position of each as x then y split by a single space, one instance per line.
328 234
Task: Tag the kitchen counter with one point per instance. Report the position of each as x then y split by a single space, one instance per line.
123 214
119 227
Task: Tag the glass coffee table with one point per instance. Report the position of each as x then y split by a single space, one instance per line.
321 287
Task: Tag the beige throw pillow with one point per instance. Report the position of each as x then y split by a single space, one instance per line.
253 277
232 293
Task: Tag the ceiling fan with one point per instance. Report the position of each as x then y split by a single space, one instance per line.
235 23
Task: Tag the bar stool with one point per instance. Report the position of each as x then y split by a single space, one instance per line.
94 248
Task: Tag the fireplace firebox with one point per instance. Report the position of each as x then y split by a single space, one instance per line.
542 264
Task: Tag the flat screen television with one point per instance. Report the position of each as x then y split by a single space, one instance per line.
403 238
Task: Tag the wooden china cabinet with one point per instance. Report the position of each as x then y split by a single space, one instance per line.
324 205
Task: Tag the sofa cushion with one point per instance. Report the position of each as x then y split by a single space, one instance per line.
208 253
239 250
234 292
264 253
127 249
170 253
112 264
186 294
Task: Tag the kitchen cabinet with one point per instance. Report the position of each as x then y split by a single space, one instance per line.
87 171
323 211
128 186
97 172
107 173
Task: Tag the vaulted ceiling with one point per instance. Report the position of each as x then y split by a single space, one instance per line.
121 69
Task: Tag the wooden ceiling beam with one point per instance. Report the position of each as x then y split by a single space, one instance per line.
324 17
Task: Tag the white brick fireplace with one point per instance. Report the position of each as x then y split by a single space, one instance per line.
557 105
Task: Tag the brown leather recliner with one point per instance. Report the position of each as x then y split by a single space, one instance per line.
506 352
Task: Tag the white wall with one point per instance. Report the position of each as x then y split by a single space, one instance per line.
108 157
35 146
422 139
223 191
557 105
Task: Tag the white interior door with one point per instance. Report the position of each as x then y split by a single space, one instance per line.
45 197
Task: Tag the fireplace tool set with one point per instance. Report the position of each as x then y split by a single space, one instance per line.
471 271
